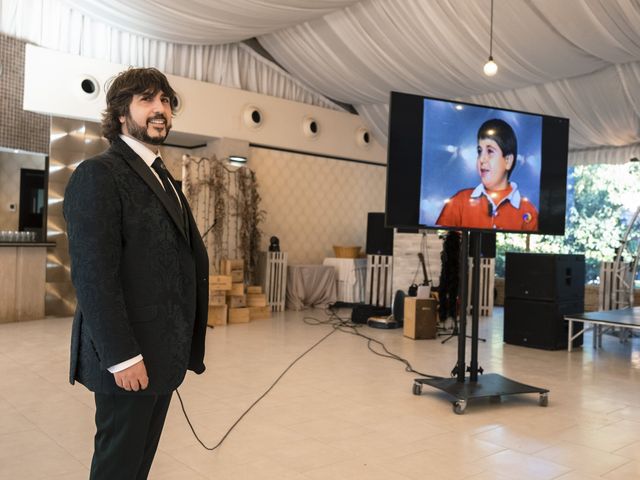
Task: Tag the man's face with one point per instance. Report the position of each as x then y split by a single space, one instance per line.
149 118
493 166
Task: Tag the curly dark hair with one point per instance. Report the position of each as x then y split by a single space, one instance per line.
123 87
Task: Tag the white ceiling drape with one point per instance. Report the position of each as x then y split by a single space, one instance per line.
568 58
204 22
573 58
53 24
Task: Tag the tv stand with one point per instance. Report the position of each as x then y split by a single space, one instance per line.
461 388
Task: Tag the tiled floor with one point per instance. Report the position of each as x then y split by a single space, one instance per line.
340 413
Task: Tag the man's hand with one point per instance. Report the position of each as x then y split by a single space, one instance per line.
133 378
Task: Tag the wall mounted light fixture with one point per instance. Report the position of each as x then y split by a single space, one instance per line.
237 159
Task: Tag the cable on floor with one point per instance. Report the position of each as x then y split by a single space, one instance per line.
346 326
255 402
338 324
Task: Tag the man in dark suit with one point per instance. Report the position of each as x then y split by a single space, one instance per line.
140 270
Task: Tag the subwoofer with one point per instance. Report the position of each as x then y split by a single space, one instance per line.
542 276
539 290
536 324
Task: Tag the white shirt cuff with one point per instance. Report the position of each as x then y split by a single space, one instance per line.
126 364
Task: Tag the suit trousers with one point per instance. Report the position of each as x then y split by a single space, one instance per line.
127 436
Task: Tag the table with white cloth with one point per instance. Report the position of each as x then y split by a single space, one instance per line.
310 286
351 277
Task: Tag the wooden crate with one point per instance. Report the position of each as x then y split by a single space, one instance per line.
237 301
227 265
257 300
217 315
217 297
237 276
254 289
259 313
236 289
239 315
420 318
219 282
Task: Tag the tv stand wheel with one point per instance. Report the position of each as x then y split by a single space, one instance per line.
417 388
543 401
459 407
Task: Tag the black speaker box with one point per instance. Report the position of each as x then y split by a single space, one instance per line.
545 277
487 244
540 324
362 313
379 237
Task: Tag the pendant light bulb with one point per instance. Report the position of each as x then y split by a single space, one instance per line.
490 68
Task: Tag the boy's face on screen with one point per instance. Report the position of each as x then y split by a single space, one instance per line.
493 166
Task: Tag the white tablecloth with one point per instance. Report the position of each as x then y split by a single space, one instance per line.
351 277
310 286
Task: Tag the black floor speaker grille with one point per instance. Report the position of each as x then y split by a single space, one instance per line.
540 324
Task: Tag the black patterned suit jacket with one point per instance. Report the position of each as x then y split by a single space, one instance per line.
140 274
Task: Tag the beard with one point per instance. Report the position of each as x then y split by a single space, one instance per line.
141 133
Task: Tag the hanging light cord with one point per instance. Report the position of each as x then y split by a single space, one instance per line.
491 34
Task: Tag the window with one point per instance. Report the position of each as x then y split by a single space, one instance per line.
601 202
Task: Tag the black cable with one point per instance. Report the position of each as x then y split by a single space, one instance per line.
344 324
254 403
338 324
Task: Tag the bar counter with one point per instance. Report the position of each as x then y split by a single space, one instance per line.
22 280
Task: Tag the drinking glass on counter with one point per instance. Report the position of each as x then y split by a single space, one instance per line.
14 236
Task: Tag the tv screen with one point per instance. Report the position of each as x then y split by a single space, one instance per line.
455 165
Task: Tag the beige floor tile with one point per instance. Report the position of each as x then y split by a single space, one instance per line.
48 462
628 471
431 464
579 476
521 466
340 412
631 451
353 469
308 455
167 467
12 422
522 439
584 459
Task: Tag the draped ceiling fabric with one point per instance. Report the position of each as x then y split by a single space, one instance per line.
56 25
573 58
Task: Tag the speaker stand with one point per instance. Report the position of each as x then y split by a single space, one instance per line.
461 388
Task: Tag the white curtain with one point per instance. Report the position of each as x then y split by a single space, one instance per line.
204 22
570 58
53 24
573 58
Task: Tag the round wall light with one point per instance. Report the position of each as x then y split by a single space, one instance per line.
252 116
310 127
87 87
363 137
176 104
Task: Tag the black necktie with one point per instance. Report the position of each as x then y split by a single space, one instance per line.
161 170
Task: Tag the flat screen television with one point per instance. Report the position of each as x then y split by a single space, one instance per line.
459 166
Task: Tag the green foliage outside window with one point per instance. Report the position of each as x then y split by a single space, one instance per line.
601 199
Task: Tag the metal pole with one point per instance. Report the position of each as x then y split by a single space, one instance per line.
475 305
462 314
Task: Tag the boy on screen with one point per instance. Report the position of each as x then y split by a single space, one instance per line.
496 203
